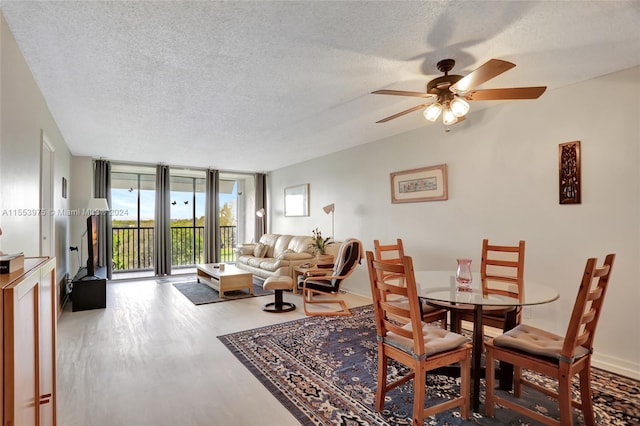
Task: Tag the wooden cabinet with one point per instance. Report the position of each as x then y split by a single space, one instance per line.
28 344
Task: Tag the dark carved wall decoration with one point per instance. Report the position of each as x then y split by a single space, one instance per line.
569 171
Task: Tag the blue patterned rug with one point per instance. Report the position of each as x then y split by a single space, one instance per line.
324 369
201 294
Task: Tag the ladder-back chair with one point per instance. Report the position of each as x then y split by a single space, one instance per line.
393 254
561 358
502 273
412 342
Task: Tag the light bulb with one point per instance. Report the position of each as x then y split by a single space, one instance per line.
459 107
432 112
448 117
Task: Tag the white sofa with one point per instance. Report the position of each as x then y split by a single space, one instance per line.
274 255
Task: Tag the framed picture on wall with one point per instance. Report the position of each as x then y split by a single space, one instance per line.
416 185
296 200
570 189
64 187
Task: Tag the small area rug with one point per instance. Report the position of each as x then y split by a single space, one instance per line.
202 294
324 369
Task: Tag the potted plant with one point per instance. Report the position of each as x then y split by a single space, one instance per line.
319 245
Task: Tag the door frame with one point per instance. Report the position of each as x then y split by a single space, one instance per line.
47 175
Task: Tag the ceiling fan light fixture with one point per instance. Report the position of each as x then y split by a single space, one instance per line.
432 112
459 107
448 117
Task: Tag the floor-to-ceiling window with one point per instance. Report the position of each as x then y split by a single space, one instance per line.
187 217
132 199
237 211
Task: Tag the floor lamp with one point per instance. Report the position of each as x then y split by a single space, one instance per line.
330 209
260 213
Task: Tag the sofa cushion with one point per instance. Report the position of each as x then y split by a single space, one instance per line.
260 250
281 244
255 261
269 240
270 264
284 254
301 244
291 255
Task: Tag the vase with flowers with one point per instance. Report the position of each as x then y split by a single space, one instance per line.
319 245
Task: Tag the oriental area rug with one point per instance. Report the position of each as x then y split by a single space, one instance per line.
324 370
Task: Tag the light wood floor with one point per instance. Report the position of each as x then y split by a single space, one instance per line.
153 358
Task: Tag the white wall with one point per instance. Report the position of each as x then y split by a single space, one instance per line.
24 116
81 190
503 185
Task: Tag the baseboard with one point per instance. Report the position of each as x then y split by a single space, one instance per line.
616 365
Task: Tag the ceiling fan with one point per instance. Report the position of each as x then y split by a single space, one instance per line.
450 93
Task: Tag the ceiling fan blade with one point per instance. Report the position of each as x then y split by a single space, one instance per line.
510 93
407 111
490 69
403 93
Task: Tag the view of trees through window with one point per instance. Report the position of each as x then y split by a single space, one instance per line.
133 195
187 220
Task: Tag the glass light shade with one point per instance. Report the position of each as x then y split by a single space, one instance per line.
448 117
432 112
459 107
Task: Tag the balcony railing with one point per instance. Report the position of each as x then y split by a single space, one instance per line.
133 247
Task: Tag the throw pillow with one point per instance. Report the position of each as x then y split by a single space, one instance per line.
260 250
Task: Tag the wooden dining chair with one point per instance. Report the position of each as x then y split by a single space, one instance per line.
502 273
329 282
393 254
390 253
561 358
412 342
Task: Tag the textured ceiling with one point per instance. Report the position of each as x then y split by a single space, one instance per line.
255 86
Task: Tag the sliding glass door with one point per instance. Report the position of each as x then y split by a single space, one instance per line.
187 218
133 198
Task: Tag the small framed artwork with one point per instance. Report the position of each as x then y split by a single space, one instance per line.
424 184
569 172
64 187
296 200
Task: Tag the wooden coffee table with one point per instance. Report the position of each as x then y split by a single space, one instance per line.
231 278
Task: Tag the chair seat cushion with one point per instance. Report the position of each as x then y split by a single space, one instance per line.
436 339
327 286
278 283
535 341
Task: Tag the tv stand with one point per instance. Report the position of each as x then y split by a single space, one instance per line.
89 291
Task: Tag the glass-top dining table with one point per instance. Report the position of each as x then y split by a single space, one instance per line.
441 286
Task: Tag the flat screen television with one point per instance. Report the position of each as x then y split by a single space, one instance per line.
92 245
